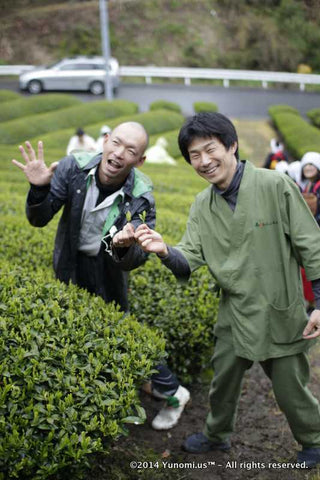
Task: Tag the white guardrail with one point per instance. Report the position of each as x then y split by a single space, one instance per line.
148 73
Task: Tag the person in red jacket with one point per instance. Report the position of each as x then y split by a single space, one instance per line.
310 173
276 155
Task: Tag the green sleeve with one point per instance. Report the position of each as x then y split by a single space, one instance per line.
190 244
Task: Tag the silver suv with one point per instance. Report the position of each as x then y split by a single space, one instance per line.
73 73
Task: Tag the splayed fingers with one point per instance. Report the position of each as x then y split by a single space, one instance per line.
34 168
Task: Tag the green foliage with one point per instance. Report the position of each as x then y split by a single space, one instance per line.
15 131
269 35
314 116
184 313
36 104
70 366
164 104
8 95
205 107
299 136
275 109
154 122
82 39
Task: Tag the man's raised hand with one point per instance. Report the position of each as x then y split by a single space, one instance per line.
34 168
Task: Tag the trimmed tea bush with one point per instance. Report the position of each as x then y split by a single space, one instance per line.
15 131
274 109
166 105
70 367
205 107
299 136
7 95
20 243
185 314
154 122
39 104
314 116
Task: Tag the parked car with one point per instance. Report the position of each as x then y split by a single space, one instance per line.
73 73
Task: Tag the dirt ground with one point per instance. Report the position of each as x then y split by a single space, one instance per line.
261 438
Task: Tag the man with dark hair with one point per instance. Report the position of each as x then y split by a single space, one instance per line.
81 141
253 229
101 195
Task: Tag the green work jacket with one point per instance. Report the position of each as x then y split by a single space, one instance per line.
254 254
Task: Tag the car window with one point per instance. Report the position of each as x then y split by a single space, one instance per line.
79 66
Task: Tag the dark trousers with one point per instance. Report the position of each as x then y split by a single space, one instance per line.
101 276
289 376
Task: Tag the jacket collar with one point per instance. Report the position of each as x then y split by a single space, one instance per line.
136 183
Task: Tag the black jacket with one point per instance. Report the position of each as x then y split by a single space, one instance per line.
68 188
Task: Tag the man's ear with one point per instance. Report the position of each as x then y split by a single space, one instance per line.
234 147
141 161
106 137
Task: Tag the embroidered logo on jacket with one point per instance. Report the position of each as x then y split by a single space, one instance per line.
266 224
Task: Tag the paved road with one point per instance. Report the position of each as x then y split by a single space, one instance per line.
234 102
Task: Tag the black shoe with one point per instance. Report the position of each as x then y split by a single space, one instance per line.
310 457
199 443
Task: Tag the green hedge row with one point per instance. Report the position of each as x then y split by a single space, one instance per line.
154 122
298 135
70 367
185 314
36 104
7 95
205 107
165 104
15 131
314 116
275 109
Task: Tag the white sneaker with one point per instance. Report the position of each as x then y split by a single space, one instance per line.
169 415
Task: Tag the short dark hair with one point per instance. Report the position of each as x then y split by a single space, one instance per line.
207 125
80 132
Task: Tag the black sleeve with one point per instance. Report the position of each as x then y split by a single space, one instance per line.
38 194
177 263
43 204
316 291
267 161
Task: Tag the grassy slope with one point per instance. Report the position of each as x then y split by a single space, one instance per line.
202 33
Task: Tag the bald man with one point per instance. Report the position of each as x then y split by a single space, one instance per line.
102 194
96 191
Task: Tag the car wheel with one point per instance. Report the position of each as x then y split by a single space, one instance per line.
34 86
97 88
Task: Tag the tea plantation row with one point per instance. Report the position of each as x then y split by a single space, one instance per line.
70 365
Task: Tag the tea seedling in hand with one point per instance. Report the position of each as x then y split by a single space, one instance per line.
143 216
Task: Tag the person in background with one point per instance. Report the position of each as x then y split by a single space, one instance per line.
98 193
81 141
252 228
310 175
295 172
158 153
104 131
282 167
276 155
310 167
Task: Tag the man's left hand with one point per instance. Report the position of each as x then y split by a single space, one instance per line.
312 329
124 238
